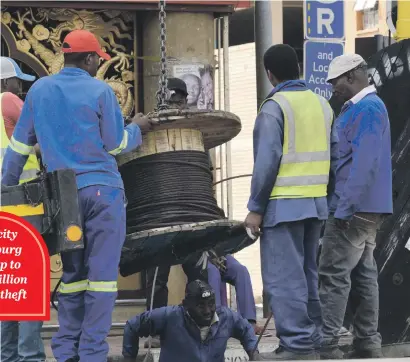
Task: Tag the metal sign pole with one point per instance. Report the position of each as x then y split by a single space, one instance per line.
221 148
227 109
324 34
265 37
228 157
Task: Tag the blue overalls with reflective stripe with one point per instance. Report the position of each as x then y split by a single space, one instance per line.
290 233
77 122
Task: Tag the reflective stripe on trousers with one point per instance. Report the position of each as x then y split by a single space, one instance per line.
89 283
83 285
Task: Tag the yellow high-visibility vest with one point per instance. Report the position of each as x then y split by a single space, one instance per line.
305 164
32 165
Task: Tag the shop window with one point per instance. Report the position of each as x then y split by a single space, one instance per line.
367 14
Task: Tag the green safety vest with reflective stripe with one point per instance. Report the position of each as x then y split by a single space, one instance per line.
305 164
32 166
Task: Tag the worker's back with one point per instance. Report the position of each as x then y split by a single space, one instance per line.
69 109
305 164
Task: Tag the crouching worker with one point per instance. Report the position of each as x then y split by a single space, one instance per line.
229 270
193 332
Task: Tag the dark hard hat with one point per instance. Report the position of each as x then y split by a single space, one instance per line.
176 84
198 289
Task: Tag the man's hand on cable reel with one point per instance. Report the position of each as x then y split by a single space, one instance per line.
253 223
143 122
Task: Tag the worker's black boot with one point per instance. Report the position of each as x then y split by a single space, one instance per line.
365 353
281 354
331 350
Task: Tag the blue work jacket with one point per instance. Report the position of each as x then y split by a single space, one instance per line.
180 336
77 122
364 170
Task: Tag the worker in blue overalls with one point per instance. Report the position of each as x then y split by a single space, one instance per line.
77 122
292 152
195 331
362 198
229 270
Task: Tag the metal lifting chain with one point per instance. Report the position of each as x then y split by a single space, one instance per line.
163 93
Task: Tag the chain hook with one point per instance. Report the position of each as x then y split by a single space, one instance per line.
163 92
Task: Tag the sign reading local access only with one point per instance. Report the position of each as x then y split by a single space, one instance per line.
318 56
24 271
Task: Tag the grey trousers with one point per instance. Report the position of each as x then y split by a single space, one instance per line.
347 266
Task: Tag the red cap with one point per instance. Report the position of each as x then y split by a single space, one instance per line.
82 41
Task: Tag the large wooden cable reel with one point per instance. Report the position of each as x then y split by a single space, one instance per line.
189 222
172 214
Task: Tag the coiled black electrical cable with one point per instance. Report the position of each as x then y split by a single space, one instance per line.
169 188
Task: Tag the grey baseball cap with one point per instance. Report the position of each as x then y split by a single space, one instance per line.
343 64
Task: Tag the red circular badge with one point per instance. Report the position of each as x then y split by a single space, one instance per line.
24 271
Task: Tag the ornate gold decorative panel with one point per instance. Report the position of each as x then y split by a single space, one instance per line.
38 33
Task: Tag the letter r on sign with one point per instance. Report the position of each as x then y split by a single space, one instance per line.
325 18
